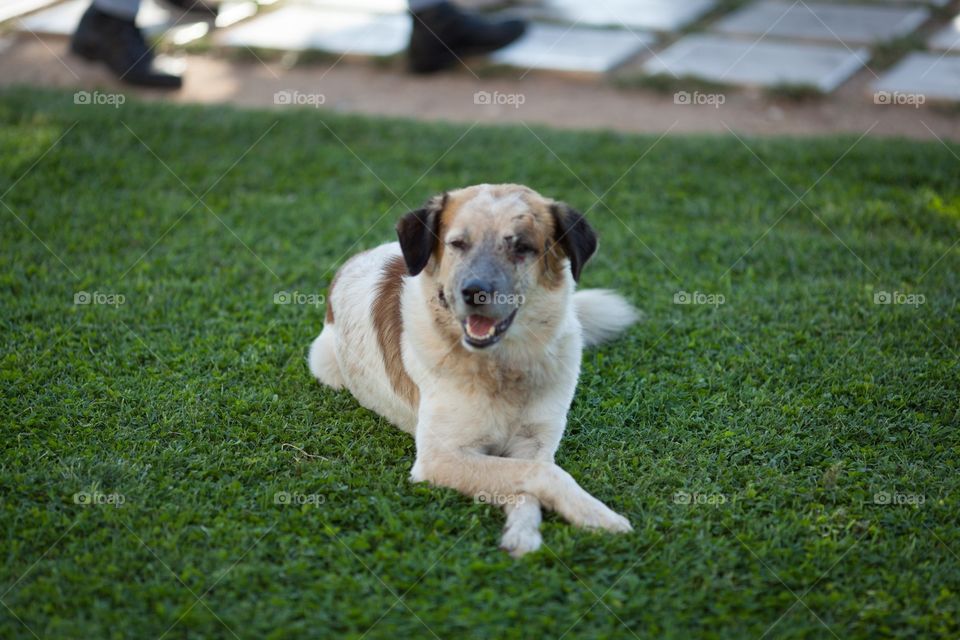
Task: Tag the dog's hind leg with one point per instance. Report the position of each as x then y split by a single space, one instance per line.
323 358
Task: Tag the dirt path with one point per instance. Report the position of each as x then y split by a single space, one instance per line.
565 102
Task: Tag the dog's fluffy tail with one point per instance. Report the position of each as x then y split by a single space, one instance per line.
604 314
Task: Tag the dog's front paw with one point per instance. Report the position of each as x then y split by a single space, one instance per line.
617 523
600 516
417 473
518 540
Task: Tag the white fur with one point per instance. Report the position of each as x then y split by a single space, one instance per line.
500 444
603 314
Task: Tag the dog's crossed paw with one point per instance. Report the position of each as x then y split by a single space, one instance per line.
519 541
604 518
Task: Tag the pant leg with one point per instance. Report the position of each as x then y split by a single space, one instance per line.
126 9
419 5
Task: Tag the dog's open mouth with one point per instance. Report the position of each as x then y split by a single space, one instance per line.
481 331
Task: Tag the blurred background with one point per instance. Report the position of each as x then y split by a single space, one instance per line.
890 67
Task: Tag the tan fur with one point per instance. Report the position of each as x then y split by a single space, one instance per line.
328 317
389 325
487 418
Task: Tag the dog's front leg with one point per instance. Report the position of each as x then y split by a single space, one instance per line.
521 532
472 472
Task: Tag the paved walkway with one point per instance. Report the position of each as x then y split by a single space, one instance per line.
567 70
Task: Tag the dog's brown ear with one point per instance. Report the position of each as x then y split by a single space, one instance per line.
573 235
418 232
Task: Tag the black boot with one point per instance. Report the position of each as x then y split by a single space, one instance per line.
201 8
442 33
119 44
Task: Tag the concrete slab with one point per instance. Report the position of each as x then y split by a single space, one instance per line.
931 75
931 3
653 15
13 8
574 49
301 28
765 63
63 18
849 24
363 6
948 38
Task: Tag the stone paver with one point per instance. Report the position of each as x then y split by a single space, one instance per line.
573 49
300 28
13 8
365 6
932 75
930 3
62 19
766 63
654 15
948 38
852 24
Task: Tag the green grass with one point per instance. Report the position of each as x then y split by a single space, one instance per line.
794 403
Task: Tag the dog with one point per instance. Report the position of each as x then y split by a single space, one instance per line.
468 335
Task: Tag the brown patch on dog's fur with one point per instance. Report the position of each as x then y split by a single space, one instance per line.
388 322
328 318
552 270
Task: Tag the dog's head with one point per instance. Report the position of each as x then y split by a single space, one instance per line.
494 252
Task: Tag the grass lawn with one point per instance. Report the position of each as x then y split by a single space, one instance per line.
787 455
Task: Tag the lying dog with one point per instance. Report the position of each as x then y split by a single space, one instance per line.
467 334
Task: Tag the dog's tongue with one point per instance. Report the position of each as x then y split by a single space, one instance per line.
480 326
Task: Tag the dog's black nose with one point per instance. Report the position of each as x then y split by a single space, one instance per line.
477 293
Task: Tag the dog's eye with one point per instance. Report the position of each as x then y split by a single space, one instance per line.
523 248
458 244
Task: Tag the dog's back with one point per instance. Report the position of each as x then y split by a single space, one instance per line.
358 347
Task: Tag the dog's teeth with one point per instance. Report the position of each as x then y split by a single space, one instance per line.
489 333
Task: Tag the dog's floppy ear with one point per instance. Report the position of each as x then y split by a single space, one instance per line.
418 232
573 235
